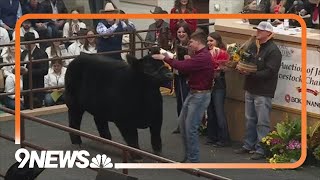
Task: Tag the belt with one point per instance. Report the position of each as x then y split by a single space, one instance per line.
199 91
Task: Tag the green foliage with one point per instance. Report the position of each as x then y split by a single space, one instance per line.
314 135
284 144
316 153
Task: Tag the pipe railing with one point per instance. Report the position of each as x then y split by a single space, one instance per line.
131 50
124 148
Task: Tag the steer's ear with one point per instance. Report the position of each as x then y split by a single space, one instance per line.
132 60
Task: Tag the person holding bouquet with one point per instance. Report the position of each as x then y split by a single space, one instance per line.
259 89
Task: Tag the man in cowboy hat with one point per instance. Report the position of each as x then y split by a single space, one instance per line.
110 26
158 36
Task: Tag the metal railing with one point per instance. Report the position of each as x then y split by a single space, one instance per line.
132 50
125 149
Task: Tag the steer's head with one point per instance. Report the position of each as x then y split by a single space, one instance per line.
151 68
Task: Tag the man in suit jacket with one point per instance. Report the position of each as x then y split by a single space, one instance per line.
39 70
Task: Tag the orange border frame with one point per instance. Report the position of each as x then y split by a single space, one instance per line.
179 16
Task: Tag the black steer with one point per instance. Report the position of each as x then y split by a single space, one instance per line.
112 90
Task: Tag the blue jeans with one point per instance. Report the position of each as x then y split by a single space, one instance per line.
257 113
48 101
217 122
190 118
10 103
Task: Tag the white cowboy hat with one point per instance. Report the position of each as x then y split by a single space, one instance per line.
109 7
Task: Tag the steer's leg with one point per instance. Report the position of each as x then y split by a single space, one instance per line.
103 127
130 135
155 128
75 117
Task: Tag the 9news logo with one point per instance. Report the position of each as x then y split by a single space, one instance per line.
61 159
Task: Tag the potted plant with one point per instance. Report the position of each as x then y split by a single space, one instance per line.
284 144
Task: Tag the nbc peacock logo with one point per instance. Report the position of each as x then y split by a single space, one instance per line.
61 159
101 161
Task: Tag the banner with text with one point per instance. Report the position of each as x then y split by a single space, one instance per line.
288 91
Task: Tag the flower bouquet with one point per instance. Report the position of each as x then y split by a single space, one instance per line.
247 55
234 57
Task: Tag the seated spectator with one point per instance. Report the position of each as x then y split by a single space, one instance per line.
57 48
90 44
52 7
10 83
9 100
156 37
76 25
10 12
26 27
4 38
55 77
8 57
76 47
109 26
31 7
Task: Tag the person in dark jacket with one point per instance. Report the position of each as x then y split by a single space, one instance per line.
39 70
259 90
10 12
32 7
52 7
159 36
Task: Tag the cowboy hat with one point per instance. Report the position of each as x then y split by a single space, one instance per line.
158 10
109 8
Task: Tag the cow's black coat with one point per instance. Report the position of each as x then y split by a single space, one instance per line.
112 90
